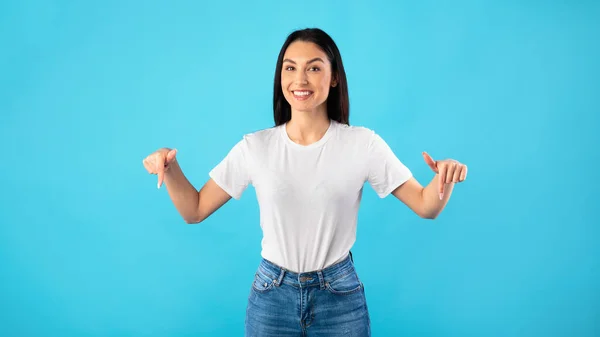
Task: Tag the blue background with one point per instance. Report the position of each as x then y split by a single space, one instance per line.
90 247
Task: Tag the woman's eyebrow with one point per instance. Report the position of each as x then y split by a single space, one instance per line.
311 61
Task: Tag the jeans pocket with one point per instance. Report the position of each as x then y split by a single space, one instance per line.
262 283
345 285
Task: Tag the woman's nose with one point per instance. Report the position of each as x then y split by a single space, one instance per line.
301 77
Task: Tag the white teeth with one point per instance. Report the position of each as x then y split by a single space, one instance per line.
302 93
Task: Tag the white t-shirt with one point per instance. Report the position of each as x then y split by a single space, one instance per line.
309 196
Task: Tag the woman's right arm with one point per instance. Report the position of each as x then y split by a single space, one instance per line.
194 206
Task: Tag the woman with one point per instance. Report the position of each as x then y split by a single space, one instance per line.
308 172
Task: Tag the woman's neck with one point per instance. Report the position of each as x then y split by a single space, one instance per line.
306 128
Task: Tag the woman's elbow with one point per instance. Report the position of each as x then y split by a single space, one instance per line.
429 215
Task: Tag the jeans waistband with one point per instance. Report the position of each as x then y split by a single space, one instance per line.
280 275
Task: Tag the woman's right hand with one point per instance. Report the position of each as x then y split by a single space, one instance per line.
159 162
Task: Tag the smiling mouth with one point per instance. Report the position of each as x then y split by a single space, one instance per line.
302 94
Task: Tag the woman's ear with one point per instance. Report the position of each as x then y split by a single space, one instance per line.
334 81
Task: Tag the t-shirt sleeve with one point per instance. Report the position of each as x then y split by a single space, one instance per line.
232 173
385 171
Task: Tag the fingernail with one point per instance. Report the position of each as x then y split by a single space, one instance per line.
441 196
158 186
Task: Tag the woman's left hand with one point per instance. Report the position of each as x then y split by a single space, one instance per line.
449 171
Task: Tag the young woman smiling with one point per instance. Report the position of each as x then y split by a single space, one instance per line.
308 171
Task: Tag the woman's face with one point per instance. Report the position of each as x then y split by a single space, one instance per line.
306 76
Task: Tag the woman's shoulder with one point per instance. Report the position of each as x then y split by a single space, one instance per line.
262 134
260 137
355 131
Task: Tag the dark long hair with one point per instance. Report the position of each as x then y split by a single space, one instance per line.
338 105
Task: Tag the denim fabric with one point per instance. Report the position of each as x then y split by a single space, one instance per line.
329 302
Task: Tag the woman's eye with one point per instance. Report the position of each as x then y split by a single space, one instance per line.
290 68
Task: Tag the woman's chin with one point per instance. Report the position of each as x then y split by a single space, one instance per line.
306 108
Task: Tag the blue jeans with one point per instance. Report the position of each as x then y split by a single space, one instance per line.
328 302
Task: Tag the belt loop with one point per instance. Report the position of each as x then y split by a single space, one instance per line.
280 279
321 279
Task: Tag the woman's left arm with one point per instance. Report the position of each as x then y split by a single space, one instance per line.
429 202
